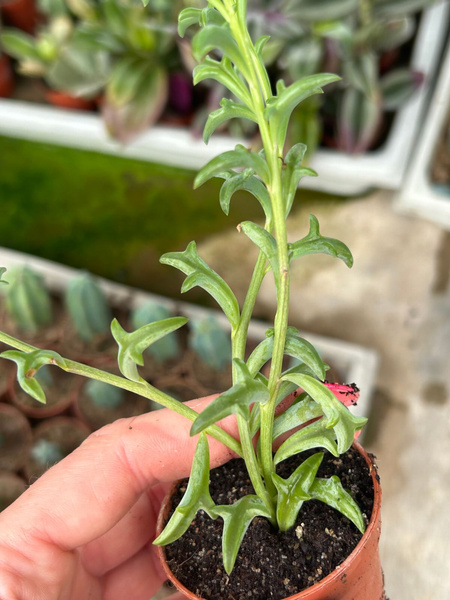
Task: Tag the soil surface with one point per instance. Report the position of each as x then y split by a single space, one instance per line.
271 564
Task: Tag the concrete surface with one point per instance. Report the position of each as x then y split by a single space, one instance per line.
396 299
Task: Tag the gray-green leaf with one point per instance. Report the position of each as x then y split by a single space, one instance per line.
236 520
338 417
132 345
246 181
315 243
292 172
195 498
279 109
315 435
239 157
228 110
218 37
292 492
331 492
199 273
236 400
28 364
265 242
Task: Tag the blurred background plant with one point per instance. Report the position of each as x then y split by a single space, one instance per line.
114 51
131 61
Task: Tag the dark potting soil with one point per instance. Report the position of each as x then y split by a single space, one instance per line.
271 564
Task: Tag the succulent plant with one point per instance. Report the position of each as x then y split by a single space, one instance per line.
88 307
104 395
28 300
166 348
210 342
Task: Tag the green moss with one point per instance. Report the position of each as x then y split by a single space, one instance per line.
110 215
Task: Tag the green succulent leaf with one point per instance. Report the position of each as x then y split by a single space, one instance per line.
304 351
236 520
292 172
239 157
2 272
265 242
199 273
236 400
315 435
218 37
19 44
315 243
299 413
338 417
228 110
260 44
292 492
295 346
331 492
196 497
222 72
187 17
279 109
132 345
246 181
28 364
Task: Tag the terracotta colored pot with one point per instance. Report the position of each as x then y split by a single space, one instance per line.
11 487
60 434
6 77
15 438
64 100
358 577
20 13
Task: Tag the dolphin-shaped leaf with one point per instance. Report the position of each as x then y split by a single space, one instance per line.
132 345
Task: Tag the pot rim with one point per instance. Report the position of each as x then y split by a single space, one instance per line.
374 523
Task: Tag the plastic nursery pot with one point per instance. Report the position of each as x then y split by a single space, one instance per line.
11 487
15 438
61 394
360 575
6 77
20 13
53 440
64 100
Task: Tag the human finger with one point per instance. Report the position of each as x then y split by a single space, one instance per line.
105 476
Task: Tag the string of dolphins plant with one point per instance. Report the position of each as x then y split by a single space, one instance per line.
225 52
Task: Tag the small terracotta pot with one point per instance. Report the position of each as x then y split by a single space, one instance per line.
64 100
11 487
20 13
15 438
65 433
6 77
358 577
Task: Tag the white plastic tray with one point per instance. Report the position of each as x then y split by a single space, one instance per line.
418 194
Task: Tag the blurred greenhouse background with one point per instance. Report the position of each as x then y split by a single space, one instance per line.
100 137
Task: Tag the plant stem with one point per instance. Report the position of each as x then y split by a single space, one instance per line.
143 389
261 92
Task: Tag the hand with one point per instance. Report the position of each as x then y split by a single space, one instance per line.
84 530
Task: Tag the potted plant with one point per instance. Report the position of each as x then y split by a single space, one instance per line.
297 447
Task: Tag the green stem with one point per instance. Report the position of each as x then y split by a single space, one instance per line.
142 389
261 92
